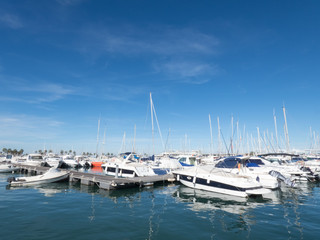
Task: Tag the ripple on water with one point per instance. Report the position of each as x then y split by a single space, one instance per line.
67 211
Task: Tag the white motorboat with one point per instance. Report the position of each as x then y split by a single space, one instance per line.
52 175
166 164
128 167
52 160
7 168
289 170
34 159
244 167
212 179
70 162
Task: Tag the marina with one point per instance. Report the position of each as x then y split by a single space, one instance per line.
159 120
102 181
67 210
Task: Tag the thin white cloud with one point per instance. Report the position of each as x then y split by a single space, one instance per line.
29 127
193 72
165 45
159 40
11 21
20 90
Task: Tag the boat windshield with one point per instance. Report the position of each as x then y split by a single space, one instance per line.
228 163
254 161
36 157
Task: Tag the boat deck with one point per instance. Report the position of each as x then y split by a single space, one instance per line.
103 181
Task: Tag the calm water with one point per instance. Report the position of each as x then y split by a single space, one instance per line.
71 211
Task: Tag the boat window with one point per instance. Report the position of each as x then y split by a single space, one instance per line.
127 171
111 169
256 161
183 159
227 163
192 160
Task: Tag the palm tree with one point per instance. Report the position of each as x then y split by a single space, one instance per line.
61 152
20 151
15 152
4 150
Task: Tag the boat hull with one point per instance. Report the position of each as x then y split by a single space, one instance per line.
221 186
35 180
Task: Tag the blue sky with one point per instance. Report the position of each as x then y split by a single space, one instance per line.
64 63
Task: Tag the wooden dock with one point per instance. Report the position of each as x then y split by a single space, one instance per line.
110 182
102 181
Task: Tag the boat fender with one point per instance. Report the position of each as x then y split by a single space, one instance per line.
258 179
11 179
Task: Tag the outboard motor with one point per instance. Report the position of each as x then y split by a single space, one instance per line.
11 179
87 165
306 169
62 164
312 177
44 164
282 178
78 166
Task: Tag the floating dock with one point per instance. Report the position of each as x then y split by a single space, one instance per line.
102 181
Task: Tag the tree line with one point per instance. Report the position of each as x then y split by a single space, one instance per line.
12 151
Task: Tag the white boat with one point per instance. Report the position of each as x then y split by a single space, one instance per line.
288 169
188 160
128 167
165 164
52 175
244 167
52 160
212 179
70 162
34 159
8 168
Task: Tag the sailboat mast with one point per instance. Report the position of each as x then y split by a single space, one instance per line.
286 130
231 135
275 128
259 143
219 136
98 133
104 140
152 127
134 139
211 143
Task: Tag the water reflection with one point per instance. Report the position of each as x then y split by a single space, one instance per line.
281 214
204 201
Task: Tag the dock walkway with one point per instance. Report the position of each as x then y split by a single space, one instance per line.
103 181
